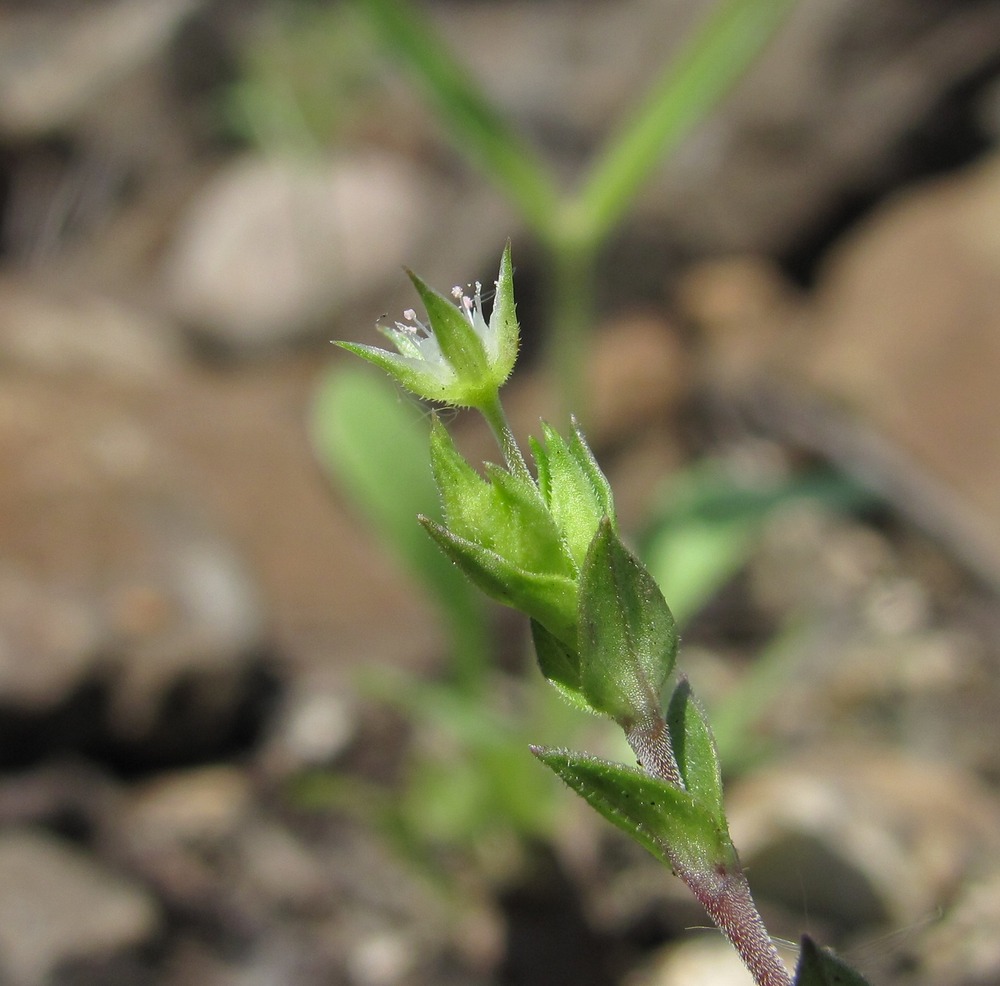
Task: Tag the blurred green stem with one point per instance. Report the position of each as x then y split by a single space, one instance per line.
481 131
571 317
706 69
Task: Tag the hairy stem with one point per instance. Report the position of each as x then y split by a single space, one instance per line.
725 894
650 742
496 418
720 887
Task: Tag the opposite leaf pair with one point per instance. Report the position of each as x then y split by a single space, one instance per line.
603 632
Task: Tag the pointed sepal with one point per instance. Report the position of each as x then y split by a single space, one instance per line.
457 357
432 381
460 344
505 335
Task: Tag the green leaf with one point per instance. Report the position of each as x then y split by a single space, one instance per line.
503 514
709 521
559 664
667 821
695 751
820 967
573 487
588 463
371 443
522 528
476 124
547 597
627 638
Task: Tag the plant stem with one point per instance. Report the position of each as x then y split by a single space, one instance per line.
496 418
650 742
720 887
571 313
725 894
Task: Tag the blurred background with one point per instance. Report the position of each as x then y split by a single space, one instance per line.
240 743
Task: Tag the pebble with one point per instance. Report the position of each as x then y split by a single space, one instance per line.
81 331
58 905
706 960
57 63
862 837
202 807
315 722
271 248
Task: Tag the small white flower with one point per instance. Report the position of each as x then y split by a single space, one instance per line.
457 356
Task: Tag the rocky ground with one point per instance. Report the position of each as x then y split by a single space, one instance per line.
186 601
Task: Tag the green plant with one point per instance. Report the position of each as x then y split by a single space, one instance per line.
358 426
572 224
548 545
306 75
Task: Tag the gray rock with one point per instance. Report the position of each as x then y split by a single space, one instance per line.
189 613
72 331
315 723
272 247
123 603
862 837
55 65
201 807
50 639
58 906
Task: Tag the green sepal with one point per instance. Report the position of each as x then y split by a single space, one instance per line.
573 487
503 321
820 967
464 360
459 342
695 751
627 638
667 821
547 597
434 382
503 513
588 463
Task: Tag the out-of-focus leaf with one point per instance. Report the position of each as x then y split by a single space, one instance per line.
709 523
476 125
708 66
373 443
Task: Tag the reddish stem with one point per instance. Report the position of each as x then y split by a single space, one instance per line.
720 888
725 895
650 742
